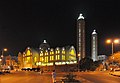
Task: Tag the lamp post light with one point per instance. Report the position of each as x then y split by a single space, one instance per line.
5 49
116 41
78 61
0 63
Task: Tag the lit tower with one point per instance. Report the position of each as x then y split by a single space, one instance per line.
94 46
81 37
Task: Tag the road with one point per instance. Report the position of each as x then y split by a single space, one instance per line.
35 77
97 77
25 77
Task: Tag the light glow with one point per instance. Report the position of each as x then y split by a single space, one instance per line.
116 41
108 41
5 49
0 60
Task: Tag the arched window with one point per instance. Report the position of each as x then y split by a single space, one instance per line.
28 52
35 59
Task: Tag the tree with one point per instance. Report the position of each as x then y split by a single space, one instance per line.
114 59
87 64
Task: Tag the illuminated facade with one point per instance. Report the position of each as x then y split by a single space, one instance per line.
46 56
94 46
81 37
30 57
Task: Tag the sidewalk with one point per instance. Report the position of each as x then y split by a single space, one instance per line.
115 73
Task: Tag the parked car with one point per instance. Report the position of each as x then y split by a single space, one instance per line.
7 70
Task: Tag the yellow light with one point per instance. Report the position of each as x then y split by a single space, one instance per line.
5 49
56 52
42 59
79 55
28 52
2 56
63 52
116 41
0 60
108 41
35 59
72 52
52 57
52 52
58 57
63 57
113 57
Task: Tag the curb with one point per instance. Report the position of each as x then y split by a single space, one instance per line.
114 75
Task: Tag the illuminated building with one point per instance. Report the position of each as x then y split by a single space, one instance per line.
30 57
46 56
94 46
81 37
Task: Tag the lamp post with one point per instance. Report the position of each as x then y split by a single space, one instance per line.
0 63
78 61
116 41
5 49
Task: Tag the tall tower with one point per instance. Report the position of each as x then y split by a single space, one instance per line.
81 37
94 46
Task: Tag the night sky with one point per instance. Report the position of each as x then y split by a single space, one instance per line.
27 23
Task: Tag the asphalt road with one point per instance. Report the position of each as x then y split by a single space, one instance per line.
35 77
97 77
25 77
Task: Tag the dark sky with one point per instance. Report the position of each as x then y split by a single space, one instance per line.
27 23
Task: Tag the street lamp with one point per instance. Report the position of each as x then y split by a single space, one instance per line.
115 41
78 61
0 63
5 49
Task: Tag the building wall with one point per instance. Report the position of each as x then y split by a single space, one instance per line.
57 56
102 57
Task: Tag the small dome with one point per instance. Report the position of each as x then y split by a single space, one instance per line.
44 46
94 32
80 17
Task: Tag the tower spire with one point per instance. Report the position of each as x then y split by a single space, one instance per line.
80 17
94 32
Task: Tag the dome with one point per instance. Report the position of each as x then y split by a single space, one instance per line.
44 46
80 17
94 32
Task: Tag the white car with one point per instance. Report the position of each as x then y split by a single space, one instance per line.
7 70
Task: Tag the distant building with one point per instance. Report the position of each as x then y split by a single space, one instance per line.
94 46
102 57
20 60
81 37
11 60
